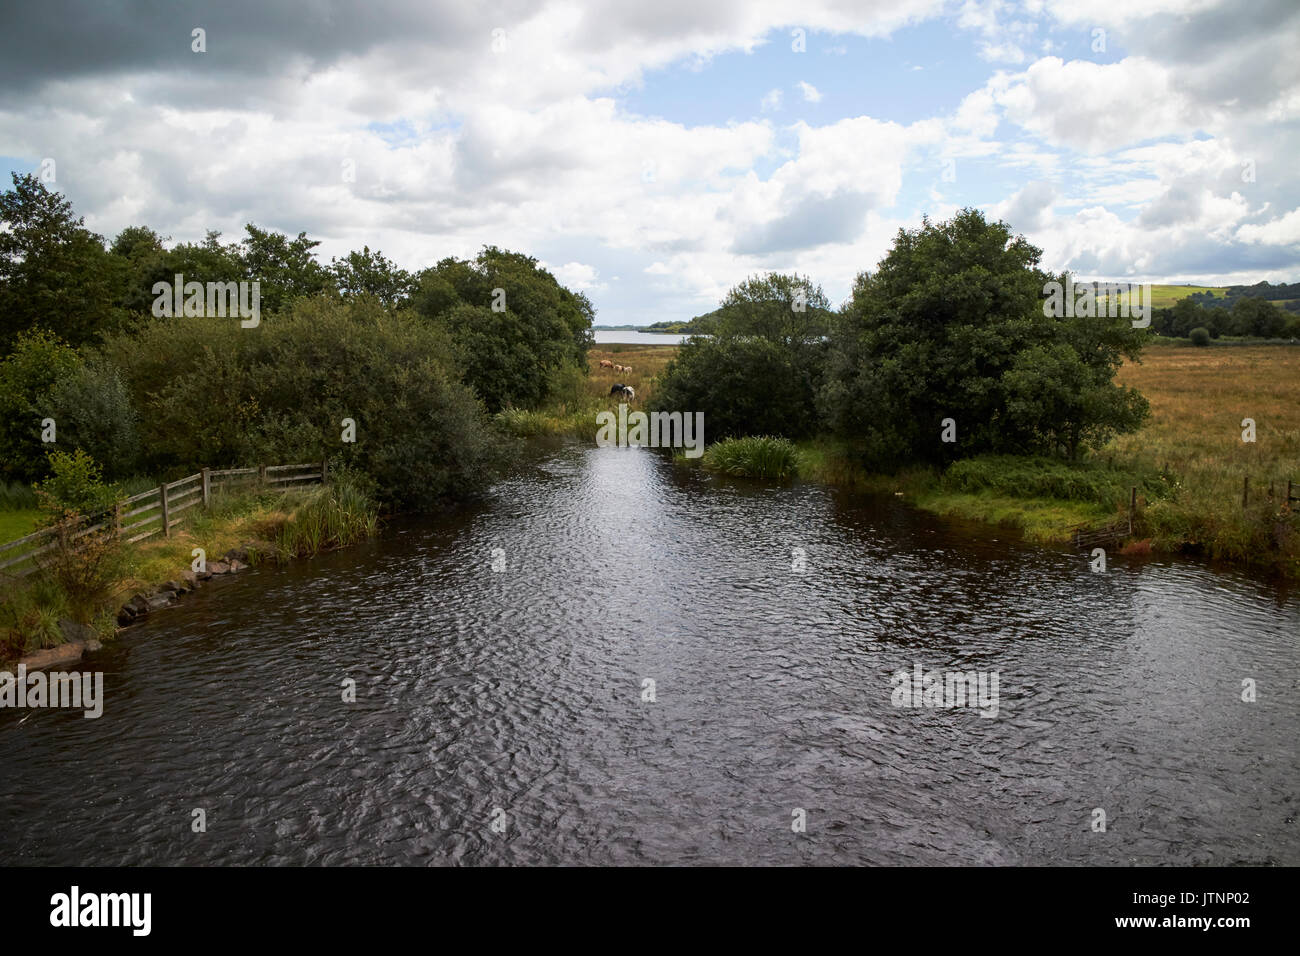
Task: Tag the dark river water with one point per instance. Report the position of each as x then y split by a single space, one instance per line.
517 698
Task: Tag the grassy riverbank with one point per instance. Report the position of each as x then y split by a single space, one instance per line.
1188 463
266 525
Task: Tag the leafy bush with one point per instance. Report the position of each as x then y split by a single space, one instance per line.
75 485
94 413
28 377
1199 336
753 456
214 394
86 565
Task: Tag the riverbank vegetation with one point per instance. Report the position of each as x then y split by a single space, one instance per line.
86 583
391 377
753 456
943 380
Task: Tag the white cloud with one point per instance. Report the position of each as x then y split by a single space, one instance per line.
577 275
1284 231
810 92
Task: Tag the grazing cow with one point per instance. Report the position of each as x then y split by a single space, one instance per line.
618 368
606 363
627 368
624 392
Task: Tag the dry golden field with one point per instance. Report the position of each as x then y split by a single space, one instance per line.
1199 397
647 362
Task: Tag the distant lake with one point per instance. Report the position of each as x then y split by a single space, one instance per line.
626 337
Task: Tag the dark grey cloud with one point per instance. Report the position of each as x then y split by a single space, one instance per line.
1178 204
1239 55
60 39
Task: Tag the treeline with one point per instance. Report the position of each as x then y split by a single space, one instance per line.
700 325
1247 316
415 361
1283 293
945 351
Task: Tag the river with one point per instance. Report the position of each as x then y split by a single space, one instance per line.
519 698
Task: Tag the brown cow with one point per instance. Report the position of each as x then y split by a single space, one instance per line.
606 363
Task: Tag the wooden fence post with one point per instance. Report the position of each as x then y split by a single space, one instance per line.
324 470
261 474
117 519
1288 491
1245 490
207 488
1132 506
166 517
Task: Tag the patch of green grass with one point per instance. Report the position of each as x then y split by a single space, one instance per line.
754 456
17 524
1091 481
1043 520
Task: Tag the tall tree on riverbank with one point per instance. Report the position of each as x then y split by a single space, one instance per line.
516 329
759 371
952 326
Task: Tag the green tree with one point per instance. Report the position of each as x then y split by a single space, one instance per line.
371 273
760 372
1257 317
95 414
286 268
28 378
952 325
514 327
54 272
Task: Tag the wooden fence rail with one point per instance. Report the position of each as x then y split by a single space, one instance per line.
158 509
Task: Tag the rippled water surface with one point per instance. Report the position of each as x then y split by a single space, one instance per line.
523 691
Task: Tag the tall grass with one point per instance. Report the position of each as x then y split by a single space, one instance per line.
1090 481
753 456
29 616
523 422
327 517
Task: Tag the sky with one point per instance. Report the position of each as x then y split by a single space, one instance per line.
653 155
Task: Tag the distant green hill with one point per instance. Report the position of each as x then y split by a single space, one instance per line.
700 325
